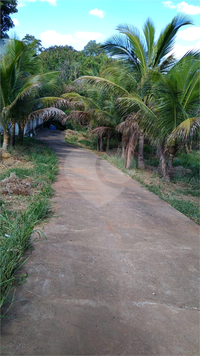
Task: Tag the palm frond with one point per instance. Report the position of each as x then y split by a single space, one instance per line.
167 37
186 129
82 117
103 84
119 46
48 113
80 101
122 74
149 33
57 102
101 130
133 103
137 44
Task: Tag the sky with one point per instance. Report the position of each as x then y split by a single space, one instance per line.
76 22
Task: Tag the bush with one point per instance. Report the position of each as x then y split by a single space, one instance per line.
188 160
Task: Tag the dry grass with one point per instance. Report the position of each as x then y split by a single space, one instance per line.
14 185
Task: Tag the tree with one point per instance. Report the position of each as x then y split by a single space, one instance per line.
31 40
7 7
172 110
22 85
96 109
177 105
93 49
144 54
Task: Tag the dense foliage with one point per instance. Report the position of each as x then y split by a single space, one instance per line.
7 7
156 95
71 63
24 88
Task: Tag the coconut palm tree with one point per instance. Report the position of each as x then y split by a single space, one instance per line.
21 83
97 109
172 111
143 54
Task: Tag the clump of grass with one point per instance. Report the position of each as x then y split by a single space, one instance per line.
117 161
15 239
16 227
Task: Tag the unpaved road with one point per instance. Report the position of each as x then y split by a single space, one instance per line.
117 275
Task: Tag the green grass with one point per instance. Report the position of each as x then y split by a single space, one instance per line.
16 227
191 161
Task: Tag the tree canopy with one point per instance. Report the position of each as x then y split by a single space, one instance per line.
31 40
93 49
7 7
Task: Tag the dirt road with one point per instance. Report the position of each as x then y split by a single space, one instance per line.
117 275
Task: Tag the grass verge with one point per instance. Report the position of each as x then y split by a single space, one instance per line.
182 192
19 214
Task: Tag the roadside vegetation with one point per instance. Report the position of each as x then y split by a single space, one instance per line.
182 192
25 187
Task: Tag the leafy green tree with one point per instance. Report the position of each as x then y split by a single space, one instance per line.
71 63
7 7
93 49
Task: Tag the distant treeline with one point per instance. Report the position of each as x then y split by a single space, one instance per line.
73 64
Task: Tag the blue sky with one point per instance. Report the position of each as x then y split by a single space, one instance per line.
76 22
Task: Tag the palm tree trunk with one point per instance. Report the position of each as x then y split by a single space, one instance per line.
101 142
97 143
123 146
141 151
169 166
21 133
108 142
129 157
5 139
163 164
12 138
123 150
170 161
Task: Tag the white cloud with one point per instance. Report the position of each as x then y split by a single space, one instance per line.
169 4
190 34
179 50
51 2
24 2
97 12
16 22
197 45
88 36
183 7
78 40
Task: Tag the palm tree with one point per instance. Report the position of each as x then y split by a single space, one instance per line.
97 109
143 54
178 104
173 106
21 83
